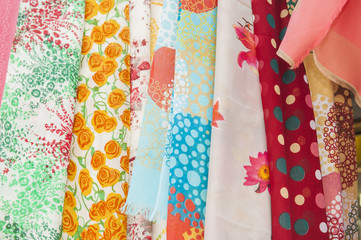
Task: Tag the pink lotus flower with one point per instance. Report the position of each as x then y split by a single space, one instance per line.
249 40
258 172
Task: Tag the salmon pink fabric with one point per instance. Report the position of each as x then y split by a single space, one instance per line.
9 13
326 28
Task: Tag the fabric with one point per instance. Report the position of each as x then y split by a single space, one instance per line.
36 118
8 12
144 196
140 39
189 132
323 22
99 161
336 143
238 199
298 207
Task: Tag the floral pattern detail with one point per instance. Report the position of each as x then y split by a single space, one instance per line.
249 40
217 116
36 117
258 172
97 175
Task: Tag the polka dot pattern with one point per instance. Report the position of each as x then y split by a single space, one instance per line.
287 114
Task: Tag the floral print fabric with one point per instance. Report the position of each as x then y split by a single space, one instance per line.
242 195
298 206
36 118
99 156
9 13
336 146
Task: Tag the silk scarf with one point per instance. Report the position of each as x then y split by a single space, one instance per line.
238 199
99 161
8 12
189 134
298 205
36 118
140 39
337 48
143 195
337 150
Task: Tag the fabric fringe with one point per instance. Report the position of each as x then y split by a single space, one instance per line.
150 214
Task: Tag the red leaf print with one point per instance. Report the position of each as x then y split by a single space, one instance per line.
144 66
217 116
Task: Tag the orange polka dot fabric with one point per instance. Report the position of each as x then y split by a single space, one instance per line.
298 205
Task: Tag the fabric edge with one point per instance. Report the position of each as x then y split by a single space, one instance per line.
336 79
286 58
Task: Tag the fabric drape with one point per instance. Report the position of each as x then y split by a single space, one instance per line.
36 118
99 155
8 12
238 199
332 106
298 208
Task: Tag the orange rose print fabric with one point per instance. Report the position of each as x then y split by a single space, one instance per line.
99 160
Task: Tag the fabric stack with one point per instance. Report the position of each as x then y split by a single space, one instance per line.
179 119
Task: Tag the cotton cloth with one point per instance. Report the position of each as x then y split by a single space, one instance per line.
8 12
332 106
298 208
144 196
36 118
99 161
238 199
189 133
336 45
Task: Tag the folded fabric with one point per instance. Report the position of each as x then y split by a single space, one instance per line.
8 12
36 118
326 28
336 146
189 133
143 192
97 179
298 209
238 199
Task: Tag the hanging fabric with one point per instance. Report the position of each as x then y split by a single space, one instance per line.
99 160
298 207
332 106
8 12
322 26
189 133
238 199
36 118
144 194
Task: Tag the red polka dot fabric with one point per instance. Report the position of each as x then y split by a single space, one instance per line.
298 205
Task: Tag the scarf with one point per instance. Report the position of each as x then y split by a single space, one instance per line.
298 207
99 161
337 48
144 194
238 168
36 118
189 133
332 106
9 13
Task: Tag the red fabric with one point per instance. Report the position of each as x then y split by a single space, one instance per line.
296 192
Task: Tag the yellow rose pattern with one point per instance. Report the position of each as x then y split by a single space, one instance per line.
99 160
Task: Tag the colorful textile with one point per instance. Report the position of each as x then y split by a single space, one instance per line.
332 106
36 118
144 196
8 12
189 134
337 49
139 24
99 161
298 207
238 202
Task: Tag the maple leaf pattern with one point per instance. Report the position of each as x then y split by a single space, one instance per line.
217 116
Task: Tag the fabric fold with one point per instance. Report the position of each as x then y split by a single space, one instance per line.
238 199
36 118
336 46
8 12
